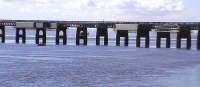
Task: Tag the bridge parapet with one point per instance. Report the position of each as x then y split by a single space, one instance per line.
94 24
166 27
25 25
130 27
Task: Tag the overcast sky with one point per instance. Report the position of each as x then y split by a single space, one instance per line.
98 10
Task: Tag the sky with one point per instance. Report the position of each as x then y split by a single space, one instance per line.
102 10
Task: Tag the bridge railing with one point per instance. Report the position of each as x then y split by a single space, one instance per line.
92 24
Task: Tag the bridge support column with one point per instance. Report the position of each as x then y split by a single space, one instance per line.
102 31
23 35
39 36
62 29
143 31
163 35
198 41
122 33
2 35
184 32
81 34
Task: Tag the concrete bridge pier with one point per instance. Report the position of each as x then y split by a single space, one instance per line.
102 31
161 35
20 33
185 33
2 35
41 36
61 28
143 31
81 34
198 41
122 33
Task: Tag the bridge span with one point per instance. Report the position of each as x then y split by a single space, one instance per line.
163 30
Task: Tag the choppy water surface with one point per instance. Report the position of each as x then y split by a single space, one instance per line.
92 66
96 66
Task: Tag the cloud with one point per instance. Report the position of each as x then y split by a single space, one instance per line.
136 10
139 6
117 10
160 5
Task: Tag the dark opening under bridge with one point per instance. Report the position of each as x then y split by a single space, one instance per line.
122 29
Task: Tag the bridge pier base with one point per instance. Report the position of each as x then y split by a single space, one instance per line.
122 33
63 37
23 35
146 41
81 34
198 41
39 36
143 31
163 35
2 35
102 31
184 32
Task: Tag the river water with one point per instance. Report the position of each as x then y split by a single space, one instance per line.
29 65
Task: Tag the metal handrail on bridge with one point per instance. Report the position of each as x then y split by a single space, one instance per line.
93 23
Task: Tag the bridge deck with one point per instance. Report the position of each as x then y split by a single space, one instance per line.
142 29
111 24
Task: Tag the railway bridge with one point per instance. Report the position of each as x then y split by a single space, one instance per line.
163 30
